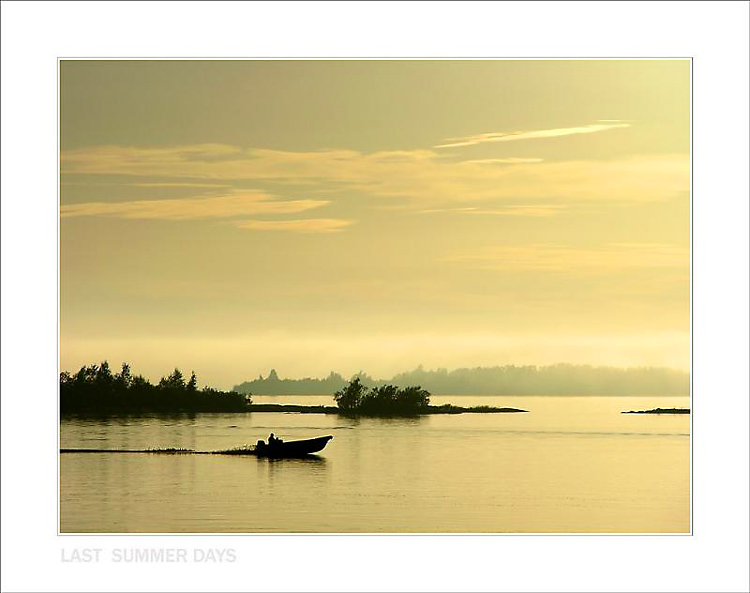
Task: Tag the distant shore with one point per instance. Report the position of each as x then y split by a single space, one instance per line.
556 379
660 411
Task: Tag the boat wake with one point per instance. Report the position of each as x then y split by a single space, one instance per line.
277 448
168 450
243 450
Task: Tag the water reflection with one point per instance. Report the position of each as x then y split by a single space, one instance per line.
400 422
311 464
286 479
307 460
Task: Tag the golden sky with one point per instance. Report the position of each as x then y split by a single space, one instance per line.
232 216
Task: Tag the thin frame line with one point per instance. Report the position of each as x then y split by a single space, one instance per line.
381 58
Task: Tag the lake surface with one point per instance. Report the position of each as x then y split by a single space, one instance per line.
572 464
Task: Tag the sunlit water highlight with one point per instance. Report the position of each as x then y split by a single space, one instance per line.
572 464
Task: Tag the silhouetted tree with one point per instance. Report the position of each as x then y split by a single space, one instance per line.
350 397
414 397
174 381
384 400
104 376
124 378
94 389
380 399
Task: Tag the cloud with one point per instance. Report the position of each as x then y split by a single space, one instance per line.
311 225
228 206
512 210
509 161
209 162
443 210
420 177
529 135
181 184
555 257
530 210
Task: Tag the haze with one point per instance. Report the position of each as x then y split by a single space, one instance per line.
232 216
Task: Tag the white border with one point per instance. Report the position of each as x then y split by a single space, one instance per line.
715 34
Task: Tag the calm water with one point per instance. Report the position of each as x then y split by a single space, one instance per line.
573 464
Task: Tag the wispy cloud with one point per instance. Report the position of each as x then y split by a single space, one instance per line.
512 210
508 161
181 184
555 257
228 206
528 135
420 177
444 210
311 225
530 210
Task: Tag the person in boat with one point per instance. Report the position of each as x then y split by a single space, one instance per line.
273 441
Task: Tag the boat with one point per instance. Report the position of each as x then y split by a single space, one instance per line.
277 449
298 448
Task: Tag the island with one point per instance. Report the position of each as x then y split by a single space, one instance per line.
660 411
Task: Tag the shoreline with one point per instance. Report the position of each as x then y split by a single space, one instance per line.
300 409
442 409
659 411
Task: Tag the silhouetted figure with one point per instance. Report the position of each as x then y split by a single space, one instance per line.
273 441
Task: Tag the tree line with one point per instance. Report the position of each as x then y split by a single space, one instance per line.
96 389
274 385
558 379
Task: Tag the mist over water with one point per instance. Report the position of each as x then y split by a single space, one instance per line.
224 361
572 464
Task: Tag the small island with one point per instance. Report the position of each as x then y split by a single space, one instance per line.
355 399
660 411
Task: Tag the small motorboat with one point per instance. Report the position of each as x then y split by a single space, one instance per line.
301 448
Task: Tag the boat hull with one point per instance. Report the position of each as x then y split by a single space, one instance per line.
293 448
